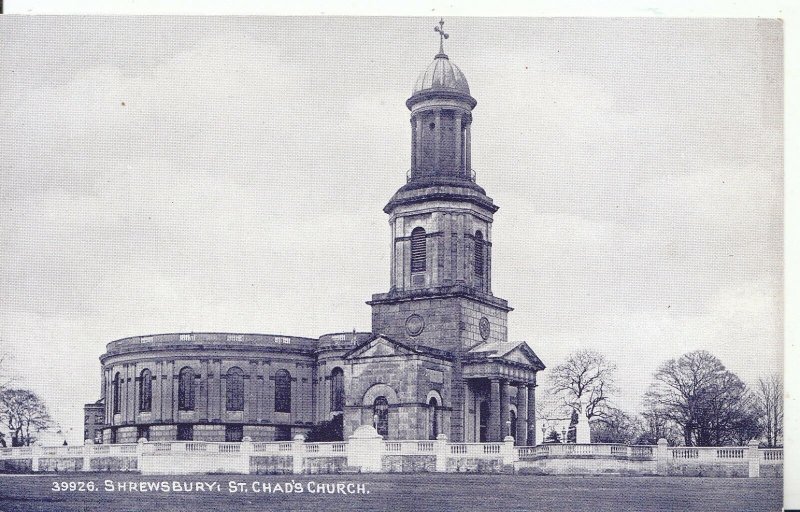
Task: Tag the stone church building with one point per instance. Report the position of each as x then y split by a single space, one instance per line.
437 360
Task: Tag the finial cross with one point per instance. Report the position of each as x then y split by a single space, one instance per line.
442 34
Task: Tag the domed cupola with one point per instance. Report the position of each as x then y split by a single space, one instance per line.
441 115
441 74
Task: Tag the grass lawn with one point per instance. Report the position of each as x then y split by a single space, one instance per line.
386 492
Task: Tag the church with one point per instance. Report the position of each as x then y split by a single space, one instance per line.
436 361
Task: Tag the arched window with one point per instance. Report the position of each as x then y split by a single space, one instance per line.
283 391
418 250
145 391
115 394
337 389
433 417
186 389
381 415
479 253
234 385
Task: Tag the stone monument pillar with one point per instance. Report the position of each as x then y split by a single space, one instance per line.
582 434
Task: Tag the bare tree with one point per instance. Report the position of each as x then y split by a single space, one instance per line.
616 426
6 377
25 414
586 376
710 404
769 397
657 426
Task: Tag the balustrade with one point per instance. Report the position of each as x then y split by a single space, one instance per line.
237 453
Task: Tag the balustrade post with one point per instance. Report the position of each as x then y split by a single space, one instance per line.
87 457
508 452
442 449
365 449
245 451
35 458
298 452
754 464
662 457
140 449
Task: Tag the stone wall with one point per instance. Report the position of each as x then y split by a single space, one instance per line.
270 465
114 464
16 465
408 463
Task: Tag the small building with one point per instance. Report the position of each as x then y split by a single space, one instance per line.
93 422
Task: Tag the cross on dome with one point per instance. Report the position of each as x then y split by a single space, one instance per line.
442 35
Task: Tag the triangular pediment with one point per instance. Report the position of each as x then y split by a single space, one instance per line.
379 346
520 353
523 354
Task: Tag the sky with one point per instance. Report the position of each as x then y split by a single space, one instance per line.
229 174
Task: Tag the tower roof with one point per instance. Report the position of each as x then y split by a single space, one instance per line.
441 74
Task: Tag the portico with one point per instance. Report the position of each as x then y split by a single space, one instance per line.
501 386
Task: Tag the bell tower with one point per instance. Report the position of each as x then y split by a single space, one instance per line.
441 225
440 299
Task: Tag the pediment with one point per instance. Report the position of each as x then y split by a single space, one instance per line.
380 347
524 354
518 356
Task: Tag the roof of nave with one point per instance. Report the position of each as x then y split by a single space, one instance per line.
201 340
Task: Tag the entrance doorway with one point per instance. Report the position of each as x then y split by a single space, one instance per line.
484 422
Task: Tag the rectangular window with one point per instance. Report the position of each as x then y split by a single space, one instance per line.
185 433
283 433
234 433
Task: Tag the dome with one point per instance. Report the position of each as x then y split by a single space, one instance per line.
442 74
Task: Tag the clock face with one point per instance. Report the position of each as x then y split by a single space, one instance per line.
485 328
414 325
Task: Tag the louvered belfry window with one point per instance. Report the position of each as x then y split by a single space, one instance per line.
479 255
418 250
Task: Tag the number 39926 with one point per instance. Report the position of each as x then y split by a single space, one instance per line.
74 486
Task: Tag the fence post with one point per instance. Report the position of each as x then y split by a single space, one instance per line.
35 459
508 451
298 451
441 448
365 450
662 457
87 457
754 469
245 451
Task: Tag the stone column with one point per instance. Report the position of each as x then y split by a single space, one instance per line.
532 414
505 408
467 150
418 160
437 138
457 148
494 429
522 415
413 144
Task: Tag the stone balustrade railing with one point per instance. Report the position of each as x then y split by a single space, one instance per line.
373 454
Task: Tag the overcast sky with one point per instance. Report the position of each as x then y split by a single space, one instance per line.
195 174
